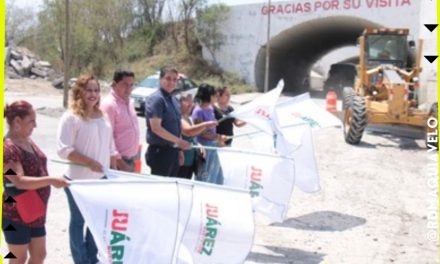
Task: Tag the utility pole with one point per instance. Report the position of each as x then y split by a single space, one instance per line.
266 72
66 56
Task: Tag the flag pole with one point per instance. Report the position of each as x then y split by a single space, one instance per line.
66 162
244 151
142 178
66 55
223 118
257 132
266 75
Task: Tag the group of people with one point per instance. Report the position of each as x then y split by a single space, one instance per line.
175 127
95 135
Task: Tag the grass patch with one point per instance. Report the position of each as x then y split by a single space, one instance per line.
195 67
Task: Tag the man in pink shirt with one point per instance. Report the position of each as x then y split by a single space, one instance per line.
122 115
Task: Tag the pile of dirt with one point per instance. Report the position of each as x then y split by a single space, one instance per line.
22 63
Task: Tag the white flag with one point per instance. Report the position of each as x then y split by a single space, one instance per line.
220 228
185 208
166 221
258 112
301 109
295 142
268 178
131 222
306 170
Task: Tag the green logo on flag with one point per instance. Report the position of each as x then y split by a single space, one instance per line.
312 122
209 232
117 243
255 182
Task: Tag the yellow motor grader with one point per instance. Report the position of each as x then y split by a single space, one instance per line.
386 87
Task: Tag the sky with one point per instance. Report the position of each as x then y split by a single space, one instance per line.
27 3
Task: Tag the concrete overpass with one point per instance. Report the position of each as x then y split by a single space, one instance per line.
302 32
294 51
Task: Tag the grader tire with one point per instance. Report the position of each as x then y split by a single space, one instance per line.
347 97
355 120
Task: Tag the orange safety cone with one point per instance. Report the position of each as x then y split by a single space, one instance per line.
330 101
137 161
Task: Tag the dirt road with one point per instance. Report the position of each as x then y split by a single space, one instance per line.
378 202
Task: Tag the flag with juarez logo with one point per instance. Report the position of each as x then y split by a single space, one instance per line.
190 222
299 146
130 220
258 113
220 228
269 179
302 109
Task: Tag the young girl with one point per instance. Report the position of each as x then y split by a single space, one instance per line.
211 171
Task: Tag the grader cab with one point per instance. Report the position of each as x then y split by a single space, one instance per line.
386 87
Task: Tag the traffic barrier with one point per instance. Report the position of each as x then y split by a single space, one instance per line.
330 101
137 161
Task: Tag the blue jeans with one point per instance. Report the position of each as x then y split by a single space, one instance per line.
84 250
211 170
130 163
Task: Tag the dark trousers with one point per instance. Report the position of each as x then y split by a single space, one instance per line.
163 160
186 172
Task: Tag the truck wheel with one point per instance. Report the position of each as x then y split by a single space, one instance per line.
355 120
347 97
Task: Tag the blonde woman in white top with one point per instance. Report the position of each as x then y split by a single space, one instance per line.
84 137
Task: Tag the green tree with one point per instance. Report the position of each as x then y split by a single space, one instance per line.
111 23
99 30
188 8
18 22
209 20
149 13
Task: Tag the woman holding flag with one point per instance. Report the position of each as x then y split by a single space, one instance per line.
189 131
221 111
85 138
26 181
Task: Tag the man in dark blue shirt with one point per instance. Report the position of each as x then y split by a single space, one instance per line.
163 115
